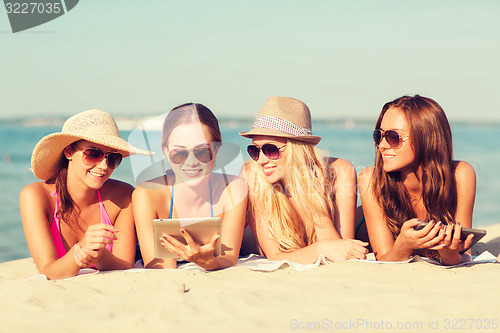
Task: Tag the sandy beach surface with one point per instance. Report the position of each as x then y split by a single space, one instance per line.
341 296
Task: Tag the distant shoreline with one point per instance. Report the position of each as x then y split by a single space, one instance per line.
130 122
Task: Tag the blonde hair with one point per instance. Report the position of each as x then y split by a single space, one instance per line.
306 176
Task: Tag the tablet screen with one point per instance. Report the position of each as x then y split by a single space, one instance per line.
201 229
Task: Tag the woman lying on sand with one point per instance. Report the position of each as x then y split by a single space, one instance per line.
415 179
191 140
301 203
72 218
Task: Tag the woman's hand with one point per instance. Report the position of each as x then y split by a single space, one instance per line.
452 241
202 255
452 245
429 237
91 248
342 249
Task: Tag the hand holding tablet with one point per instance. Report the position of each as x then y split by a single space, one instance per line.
200 229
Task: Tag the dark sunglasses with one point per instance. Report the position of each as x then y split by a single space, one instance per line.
271 151
93 156
393 138
202 154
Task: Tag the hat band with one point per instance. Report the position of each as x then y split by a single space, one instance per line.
281 125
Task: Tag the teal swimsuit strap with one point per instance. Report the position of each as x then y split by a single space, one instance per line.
211 203
172 201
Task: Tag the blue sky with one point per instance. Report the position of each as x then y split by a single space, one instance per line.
343 58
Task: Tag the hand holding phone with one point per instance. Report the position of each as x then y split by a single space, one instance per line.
478 233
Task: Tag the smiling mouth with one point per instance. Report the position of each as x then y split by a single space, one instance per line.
268 170
192 173
96 174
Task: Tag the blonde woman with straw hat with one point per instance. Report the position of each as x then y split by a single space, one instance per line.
77 217
301 204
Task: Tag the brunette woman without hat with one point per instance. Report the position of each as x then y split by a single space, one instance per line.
301 204
415 179
191 140
77 217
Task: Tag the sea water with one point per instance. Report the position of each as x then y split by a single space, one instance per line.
475 143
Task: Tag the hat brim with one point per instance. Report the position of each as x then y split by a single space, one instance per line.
48 153
312 139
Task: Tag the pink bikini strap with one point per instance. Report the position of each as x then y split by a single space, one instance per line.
104 218
54 194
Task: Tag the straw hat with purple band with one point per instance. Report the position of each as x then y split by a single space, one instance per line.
93 125
284 117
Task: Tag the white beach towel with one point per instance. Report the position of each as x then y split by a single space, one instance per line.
485 257
258 263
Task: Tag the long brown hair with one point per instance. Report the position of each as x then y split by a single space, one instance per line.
187 114
66 209
431 138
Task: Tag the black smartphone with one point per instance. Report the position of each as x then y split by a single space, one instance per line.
478 233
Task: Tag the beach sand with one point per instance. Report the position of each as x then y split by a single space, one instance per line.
341 296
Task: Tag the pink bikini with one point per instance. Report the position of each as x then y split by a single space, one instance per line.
55 229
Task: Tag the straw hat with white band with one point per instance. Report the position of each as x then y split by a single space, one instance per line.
284 117
94 126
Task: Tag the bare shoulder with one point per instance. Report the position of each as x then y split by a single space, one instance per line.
339 163
155 184
228 179
463 170
117 192
117 186
231 182
155 189
465 176
38 189
37 195
366 175
341 167
367 172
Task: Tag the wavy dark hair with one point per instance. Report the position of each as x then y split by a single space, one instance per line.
431 139
67 210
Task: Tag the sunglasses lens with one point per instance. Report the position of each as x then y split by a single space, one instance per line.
92 156
178 156
377 136
392 138
114 160
271 151
204 155
95 156
254 152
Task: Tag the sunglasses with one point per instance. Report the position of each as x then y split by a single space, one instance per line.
202 154
393 138
93 156
271 151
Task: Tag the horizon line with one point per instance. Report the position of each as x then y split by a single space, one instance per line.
58 120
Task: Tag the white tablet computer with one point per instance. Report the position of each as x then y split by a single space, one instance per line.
201 229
